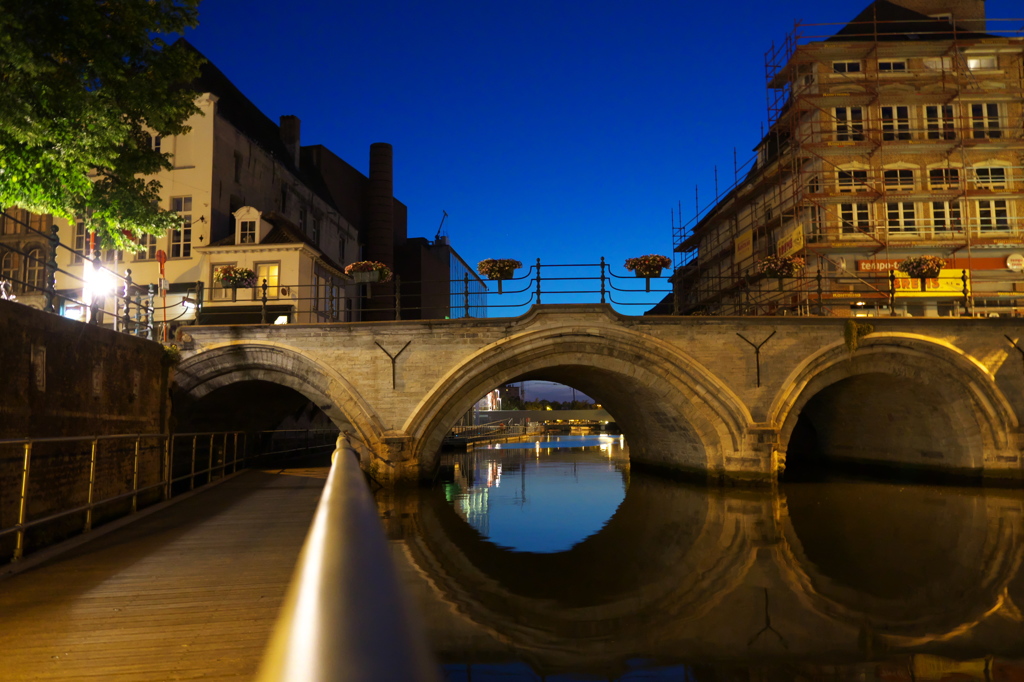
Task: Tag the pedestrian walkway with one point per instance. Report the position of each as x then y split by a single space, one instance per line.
189 592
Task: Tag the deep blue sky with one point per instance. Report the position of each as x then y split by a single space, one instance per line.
560 129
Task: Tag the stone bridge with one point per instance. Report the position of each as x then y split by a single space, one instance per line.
726 398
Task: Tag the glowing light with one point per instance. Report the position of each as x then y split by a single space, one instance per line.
281 319
98 282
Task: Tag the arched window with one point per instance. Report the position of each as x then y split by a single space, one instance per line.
9 269
34 270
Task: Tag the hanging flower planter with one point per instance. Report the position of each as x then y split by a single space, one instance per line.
498 269
922 267
780 267
232 277
648 266
368 272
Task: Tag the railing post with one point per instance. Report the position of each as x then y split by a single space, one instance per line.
150 330
19 543
892 293
821 310
538 281
465 293
49 290
192 477
135 477
234 455
603 266
963 278
209 460
398 297
93 305
263 312
224 464
92 484
126 297
168 464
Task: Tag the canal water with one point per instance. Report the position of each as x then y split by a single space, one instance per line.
552 560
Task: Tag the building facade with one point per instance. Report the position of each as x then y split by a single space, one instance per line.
896 135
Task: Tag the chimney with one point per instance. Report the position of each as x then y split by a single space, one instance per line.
290 136
380 241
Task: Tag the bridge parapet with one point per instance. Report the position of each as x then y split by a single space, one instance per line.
721 397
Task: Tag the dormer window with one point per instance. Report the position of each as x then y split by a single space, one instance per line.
247 232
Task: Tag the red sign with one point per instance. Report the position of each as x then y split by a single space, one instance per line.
877 265
161 256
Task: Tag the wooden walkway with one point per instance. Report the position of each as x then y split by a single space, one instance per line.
189 592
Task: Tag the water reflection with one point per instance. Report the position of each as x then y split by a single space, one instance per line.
842 579
540 496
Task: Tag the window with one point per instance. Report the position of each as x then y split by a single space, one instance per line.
148 244
899 179
938 63
181 239
247 232
156 141
217 292
13 221
81 242
939 122
846 67
892 66
853 181
855 218
111 255
900 216
895 123
985 121
980 63
946 216
302 220
849 123
34 269
9 269
271 273
944 178
992 215
39 223
990 178
316 232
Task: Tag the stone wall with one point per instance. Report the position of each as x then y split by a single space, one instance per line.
63 378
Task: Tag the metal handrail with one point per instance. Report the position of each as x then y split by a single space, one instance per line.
345 616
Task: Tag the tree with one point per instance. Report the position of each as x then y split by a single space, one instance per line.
83 83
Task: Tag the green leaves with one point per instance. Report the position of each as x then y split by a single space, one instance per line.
83 83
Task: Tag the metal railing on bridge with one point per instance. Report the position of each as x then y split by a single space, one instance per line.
62 486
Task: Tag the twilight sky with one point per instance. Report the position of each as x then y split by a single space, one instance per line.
559 129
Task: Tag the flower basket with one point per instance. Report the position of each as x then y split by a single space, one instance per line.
780 266
648 266
922 267
498 269
368 271
232 277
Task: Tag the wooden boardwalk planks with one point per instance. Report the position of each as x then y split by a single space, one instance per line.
190 592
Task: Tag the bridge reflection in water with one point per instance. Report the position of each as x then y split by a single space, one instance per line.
844 577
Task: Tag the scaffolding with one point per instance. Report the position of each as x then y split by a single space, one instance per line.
886 139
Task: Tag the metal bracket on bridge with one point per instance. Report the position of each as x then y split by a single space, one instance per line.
394 358
757 353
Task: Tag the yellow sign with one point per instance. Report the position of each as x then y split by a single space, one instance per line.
791 242
743 247
949 283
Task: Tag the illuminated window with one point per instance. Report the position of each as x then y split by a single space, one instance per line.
181 239
247 232
34 269
9 269
269 272
980 63
938 63
81 242
218 292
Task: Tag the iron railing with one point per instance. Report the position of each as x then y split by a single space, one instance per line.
84 476
345 616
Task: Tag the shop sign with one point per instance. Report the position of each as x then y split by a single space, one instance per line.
877 265
791 242
743 246
1015 262
949 283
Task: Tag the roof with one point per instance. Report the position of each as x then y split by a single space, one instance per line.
240 112
282 232
886 21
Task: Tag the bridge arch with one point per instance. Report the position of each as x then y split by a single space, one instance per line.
228 363
691 421
945 396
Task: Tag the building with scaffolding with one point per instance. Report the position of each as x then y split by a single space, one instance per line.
897 135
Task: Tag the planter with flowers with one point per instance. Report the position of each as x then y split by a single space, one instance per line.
233 277
498 269
780 267
922 267
368 271
648 266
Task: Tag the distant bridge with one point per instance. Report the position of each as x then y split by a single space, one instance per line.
725 397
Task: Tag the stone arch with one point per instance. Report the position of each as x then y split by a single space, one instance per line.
636 377
978 410
228 363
